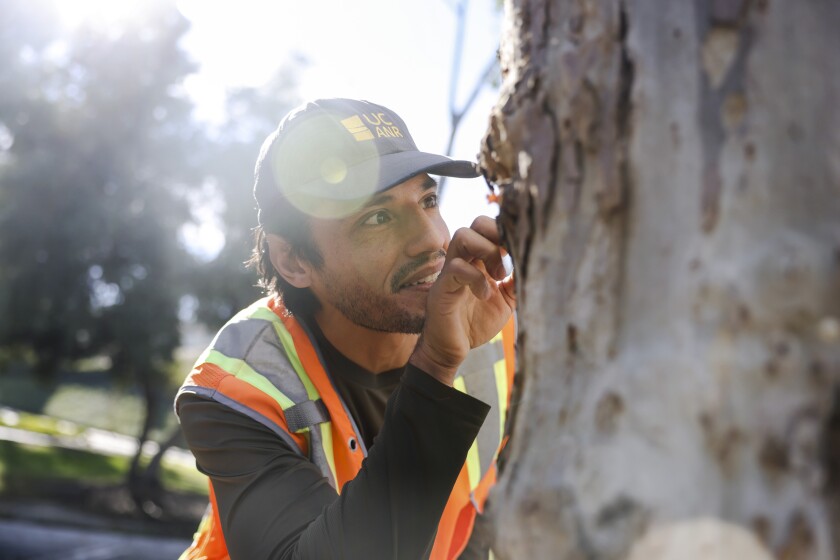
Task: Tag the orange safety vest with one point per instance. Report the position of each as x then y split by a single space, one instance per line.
263 363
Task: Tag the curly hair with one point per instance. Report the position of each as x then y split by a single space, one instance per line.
300 302
278 216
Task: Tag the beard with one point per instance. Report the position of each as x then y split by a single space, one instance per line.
377 311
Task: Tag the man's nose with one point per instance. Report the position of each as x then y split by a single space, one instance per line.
426 233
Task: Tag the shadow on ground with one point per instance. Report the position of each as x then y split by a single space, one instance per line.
27 540
93 522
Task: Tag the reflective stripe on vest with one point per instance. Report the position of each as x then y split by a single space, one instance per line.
476 376
263 363
252 354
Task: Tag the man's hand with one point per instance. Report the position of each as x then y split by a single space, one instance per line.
469 303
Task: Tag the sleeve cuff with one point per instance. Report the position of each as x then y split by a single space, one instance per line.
462 404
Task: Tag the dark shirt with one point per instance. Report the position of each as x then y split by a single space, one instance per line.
273 503
364 393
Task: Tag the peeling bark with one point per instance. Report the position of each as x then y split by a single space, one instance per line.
670 193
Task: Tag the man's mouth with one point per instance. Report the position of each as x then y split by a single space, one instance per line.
409 274
430 279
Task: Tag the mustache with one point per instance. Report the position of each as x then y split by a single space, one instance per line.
409 268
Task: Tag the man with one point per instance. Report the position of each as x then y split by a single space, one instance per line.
332 417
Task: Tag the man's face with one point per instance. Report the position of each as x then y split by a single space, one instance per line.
381 261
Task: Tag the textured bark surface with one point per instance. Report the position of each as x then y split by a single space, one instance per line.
670 180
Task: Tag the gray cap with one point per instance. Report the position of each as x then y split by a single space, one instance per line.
343 150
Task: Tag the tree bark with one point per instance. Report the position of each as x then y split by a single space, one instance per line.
670 193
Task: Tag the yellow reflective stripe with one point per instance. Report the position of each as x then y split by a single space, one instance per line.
500 370
288 345
262 312
259 304
473 463
259 311
327 444
473 466
244 372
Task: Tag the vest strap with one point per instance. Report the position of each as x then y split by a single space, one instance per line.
306 414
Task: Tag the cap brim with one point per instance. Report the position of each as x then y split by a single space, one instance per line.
384 172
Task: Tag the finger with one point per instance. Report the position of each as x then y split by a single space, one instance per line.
459 273
469 245
507 288
487 227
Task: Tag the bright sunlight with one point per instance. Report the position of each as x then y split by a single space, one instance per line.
100 13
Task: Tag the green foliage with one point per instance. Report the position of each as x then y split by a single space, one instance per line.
92 188
25 392
101 165
225 285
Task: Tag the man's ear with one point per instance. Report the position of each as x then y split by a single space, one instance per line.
294 270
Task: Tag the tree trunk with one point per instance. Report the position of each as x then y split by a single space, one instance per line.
142 493
670 181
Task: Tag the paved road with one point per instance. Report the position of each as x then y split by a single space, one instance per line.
24 540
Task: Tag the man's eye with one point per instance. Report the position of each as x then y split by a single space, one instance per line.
431 201
377 219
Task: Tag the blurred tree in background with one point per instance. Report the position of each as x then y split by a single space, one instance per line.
100 151
224 285
101 165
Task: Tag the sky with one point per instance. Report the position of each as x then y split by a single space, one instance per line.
397 53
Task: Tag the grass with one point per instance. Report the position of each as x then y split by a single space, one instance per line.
108 410
76 466
81 401
39 423
29 464
89 398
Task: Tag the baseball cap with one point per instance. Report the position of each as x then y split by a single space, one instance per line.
342 150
